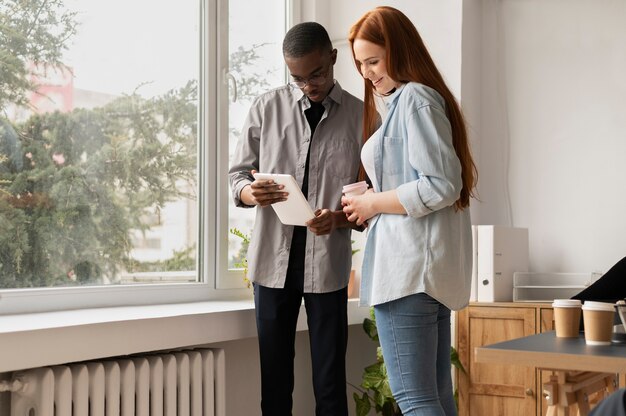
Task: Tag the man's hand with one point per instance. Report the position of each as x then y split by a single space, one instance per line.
323 223
263 193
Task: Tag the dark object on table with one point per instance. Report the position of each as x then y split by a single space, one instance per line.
611 287
619 335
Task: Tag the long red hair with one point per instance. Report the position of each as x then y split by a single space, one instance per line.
409 61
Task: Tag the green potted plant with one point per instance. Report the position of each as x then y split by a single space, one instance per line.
374 391
241 260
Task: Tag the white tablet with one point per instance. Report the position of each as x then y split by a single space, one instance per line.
296 209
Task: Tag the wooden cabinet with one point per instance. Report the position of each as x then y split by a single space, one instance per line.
490 389
546 320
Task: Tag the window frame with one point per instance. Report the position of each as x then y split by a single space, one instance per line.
217 282
212 198
35 300
232 278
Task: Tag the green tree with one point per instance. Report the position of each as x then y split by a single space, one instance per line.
88 178
75 186
31 32
254 82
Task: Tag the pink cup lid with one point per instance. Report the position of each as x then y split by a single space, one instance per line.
354 186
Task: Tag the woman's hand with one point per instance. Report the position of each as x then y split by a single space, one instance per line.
359 208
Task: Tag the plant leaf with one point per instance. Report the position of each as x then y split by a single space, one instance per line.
379 354
456 361
390 409
369 326
363 405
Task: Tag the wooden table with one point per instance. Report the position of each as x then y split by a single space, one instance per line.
578 369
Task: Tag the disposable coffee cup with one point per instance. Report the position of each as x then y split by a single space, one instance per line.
566 317
354 189
598 318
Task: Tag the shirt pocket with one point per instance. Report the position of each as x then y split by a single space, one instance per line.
393 160
341 160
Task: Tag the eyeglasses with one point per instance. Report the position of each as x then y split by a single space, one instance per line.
315 80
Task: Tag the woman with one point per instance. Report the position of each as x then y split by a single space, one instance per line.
417 261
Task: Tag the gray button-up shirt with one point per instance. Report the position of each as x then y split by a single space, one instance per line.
275 139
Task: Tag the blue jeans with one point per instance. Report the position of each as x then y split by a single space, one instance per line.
414 334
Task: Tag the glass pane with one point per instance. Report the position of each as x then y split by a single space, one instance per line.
256 31
98 142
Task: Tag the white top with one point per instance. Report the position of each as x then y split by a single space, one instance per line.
367 155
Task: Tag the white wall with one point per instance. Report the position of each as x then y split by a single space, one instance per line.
554 96
471 76
243 385
439 24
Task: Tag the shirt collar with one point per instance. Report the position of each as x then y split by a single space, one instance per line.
335 95
390 99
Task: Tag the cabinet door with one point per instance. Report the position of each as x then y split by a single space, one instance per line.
546 323
494 389
546 319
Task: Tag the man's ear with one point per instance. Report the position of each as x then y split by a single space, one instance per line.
333 56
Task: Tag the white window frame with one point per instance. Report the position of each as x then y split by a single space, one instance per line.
20 301
231 278
213 196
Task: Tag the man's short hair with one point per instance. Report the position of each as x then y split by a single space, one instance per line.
304 38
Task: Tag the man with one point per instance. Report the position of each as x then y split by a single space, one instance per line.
310 129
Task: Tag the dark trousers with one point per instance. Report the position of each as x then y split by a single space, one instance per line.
327 318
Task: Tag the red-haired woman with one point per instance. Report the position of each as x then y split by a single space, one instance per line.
418 257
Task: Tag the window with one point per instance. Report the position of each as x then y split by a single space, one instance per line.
109 162
255 65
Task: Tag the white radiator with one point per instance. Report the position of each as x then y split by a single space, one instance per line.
177 383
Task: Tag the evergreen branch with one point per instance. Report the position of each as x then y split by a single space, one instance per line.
36 18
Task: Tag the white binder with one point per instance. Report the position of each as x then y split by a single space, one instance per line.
474 287
501 252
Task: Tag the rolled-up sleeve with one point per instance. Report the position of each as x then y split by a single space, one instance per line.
246 156
432 155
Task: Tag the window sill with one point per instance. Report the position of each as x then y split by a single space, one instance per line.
33 340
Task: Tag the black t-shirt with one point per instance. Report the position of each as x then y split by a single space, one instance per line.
295 270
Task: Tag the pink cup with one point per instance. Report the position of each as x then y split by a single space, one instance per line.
354 189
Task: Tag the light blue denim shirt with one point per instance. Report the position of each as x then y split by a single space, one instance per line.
430 249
